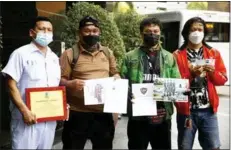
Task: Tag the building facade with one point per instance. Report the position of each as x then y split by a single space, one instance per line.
157 6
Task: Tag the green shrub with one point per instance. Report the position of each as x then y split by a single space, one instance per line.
110 35
128 24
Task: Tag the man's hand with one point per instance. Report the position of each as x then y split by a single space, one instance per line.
132 98
77 84
187 92
209 68
196 70
68 112
29 117
117 76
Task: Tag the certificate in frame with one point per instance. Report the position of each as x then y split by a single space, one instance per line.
48 103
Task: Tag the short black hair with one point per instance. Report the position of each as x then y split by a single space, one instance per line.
186 30
149 21
37 19
88 20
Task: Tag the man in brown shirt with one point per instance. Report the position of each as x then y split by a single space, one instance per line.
87 122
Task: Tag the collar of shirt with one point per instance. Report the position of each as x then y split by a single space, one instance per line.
34 48
192 51
148 52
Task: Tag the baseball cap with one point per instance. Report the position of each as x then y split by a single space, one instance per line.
88 20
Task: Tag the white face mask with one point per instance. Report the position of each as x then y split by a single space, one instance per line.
196 37
43 39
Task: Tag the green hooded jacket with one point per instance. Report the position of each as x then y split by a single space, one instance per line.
133 70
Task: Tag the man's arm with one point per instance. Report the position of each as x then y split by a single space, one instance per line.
124 69
65 63
218 76
13 72
76 84
28 116
113 71
124 72
124 75
175 73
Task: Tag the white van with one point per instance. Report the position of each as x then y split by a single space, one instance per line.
217 22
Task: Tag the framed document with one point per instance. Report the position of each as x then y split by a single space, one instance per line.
48 103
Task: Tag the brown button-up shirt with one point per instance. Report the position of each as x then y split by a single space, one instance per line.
89 66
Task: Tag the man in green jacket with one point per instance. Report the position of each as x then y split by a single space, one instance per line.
142 65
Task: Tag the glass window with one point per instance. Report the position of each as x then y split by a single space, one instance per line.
217 32
170 35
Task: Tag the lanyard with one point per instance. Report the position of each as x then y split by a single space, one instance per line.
150 66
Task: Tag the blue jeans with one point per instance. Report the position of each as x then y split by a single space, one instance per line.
205 121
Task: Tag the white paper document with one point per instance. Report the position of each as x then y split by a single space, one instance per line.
95 90
143 105
202 62
116 101
143 90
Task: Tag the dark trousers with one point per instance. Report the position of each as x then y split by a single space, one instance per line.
141 132
98 127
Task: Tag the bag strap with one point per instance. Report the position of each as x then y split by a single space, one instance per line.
106 52
75 50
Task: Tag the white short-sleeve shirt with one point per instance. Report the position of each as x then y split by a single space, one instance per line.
29 67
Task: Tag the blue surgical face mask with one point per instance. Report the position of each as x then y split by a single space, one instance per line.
43 39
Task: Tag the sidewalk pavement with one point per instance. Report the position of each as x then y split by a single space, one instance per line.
223 90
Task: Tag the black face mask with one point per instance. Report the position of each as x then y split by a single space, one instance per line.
151 39
91 40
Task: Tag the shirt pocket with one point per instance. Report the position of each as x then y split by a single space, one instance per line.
34 70
55 70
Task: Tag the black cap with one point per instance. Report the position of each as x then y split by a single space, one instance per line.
88 20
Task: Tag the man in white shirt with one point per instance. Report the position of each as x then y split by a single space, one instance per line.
32 65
